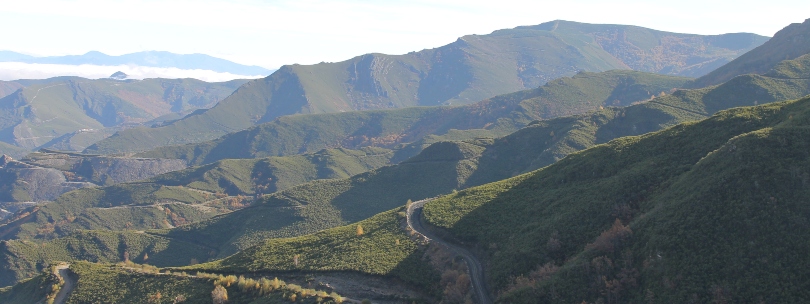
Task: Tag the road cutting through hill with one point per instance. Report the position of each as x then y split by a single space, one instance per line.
414 215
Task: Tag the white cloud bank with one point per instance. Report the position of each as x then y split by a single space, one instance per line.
19 70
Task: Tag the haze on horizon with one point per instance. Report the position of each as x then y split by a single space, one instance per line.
274 33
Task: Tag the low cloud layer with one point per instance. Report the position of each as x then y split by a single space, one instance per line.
19 70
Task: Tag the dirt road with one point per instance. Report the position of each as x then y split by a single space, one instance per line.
473 264
64 272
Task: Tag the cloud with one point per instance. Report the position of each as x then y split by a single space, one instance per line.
19 70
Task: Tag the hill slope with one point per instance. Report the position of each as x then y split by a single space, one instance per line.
493 117
439 169
167 200
445 166
473 68
700 211
789 43
42 112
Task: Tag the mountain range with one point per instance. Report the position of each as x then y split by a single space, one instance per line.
473 68
614 186
158 59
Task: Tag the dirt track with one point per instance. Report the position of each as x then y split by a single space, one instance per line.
64 292
473 264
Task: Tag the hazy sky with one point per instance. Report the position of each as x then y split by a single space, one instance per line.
273 33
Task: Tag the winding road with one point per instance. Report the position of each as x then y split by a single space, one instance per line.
479 284
64 292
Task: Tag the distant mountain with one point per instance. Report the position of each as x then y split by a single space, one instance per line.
8 87
789 43
149 58
473 68
44 111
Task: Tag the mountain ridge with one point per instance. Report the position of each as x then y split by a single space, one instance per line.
472 68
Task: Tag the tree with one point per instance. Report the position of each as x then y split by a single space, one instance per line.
219 295
155 298
359 230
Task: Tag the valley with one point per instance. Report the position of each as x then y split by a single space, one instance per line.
562 162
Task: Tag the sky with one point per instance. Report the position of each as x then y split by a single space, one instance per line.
276 32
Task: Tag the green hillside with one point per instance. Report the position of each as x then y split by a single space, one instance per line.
440 169
45 111
789 43
798 68
384 248
131 283
181 197
271 174
704 211
94 246
323 204
472 68
493 117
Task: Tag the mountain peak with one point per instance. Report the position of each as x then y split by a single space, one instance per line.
119 76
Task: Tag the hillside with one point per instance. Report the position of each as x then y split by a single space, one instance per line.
164 201
440 169
789 43
43 112
383 248
445 166
132 283
12 150
8 87
43 176
473 68
703 211
493 117
323 204
94 246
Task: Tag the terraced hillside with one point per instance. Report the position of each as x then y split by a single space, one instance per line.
703 211
473 68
